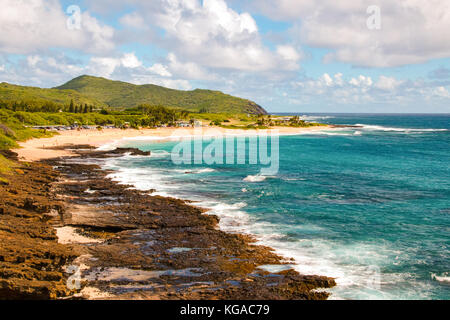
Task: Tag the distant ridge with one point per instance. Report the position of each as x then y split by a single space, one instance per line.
103 92
122 94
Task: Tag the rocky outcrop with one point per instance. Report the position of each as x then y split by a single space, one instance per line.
122 243
31 260
146 247
254 108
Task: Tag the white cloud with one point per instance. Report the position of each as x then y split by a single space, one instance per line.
363 91
133 20
129 68
33 60
338 79
327 79
210 44
35 25
209 34
160 70
129 60
412 31
441 92
53 70
188 70
361 81
102 66
387 83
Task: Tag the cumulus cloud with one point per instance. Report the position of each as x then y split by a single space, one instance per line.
129 68
362 90
48 70
35 25
387 83
327 80
210 34
160 70
361 81
103 66
40 70
129 60
412 31
187 70
207 43
133 20
441 92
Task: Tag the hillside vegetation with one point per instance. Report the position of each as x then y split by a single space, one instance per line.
104 93
14 93
17 125
122 94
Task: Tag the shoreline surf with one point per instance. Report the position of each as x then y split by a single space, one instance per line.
236 211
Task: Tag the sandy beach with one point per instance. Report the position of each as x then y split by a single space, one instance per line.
39 149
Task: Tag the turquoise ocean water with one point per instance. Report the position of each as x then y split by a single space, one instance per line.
369 206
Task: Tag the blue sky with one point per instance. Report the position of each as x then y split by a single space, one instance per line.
287 55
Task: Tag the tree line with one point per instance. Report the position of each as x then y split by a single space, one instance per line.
45 106
80 109
46 113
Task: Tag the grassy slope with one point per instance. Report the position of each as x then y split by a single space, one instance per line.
21 93
12 129
122 94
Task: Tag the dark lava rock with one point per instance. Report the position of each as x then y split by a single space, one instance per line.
31 260
113 153
9 154
157 247
139 246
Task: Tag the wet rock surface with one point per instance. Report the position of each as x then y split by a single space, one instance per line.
128 244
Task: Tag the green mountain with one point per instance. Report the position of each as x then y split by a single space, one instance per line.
102 92
122 94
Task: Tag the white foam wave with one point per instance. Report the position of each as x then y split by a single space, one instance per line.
159 154
312 257
348 263
205 170
195 171
444 278
393 129
256 178
356 279
313 118
143 179
232 218
328 132
109 146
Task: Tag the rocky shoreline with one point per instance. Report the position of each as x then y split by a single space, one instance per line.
64 222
